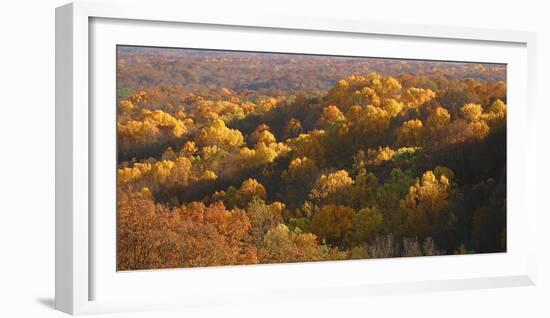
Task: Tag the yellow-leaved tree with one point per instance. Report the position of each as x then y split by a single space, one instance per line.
426 204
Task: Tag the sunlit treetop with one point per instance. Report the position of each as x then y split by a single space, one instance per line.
219 134
472 112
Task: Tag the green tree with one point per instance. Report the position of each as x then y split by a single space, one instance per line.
367 223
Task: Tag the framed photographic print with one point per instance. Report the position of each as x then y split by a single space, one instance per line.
205 160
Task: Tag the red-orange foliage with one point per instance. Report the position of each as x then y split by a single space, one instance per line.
152 236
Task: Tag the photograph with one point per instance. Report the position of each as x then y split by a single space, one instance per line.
231 158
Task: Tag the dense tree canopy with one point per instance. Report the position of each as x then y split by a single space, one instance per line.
237 158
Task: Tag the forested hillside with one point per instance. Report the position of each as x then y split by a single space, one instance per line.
229 158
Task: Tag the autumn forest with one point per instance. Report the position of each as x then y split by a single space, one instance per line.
234 158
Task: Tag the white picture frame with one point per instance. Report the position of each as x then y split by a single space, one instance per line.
78 274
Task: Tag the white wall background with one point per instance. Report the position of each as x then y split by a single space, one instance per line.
27 158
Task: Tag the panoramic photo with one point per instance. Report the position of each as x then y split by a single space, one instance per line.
237 158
